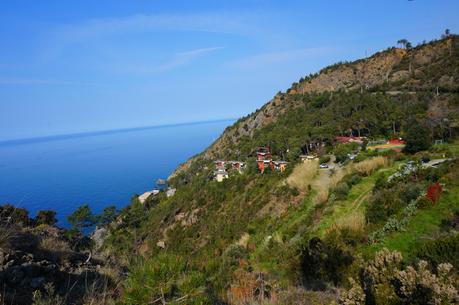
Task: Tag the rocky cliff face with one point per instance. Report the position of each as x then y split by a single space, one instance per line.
389 71
44 263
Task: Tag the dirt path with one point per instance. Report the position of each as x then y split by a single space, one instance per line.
324 179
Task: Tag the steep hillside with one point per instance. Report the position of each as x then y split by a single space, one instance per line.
374 224
426 68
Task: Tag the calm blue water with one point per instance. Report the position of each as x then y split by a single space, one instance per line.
99 169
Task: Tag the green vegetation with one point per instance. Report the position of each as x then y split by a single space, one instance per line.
81 218
417 137
46 217
267 238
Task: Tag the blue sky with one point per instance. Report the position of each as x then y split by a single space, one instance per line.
83 65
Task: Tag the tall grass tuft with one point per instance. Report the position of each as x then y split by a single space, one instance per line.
367 167
321 197
302 175
354 222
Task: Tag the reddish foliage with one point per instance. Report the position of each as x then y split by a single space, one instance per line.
434 192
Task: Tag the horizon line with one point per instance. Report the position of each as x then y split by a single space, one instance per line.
84 134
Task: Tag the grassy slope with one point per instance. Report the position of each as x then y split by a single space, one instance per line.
424 225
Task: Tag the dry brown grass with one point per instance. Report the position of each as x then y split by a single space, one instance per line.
54 244
244 240
321 197
247 288
98 293
339 174
302 175
6 234
354 222
367 167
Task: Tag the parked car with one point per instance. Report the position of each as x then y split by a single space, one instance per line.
323 165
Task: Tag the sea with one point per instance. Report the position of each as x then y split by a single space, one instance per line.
99 169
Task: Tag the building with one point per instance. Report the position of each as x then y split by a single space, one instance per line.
237 165
307 158
220 175
263 153
264 164
280 165
144 197
170 192
220 164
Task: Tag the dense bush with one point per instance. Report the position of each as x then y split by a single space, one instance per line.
442 250
341 190
45 217
341 151
417 137
386 202
384 280
324 159
12 215
323 261
229 262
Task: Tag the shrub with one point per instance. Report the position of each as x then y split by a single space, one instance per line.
341 190
385 281
324 159
323 261
354 179
442 250
81 218
341 151
12 215
434 192
153 279
417 137
232 255
424 202
45 217
108 215
389 201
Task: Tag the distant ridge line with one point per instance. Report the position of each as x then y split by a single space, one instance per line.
101 132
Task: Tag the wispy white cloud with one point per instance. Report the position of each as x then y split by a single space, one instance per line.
184 58
144 67
93 30
208 22
270 58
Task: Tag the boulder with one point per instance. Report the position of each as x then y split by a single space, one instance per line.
98 236
161 244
